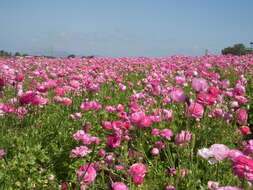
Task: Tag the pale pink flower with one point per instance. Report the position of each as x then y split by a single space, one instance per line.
119 186
199 84
166 134
80 151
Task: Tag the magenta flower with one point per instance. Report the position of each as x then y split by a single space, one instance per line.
86 174
113 141
243 167
2 82
27 98
2 153
170 187
119 186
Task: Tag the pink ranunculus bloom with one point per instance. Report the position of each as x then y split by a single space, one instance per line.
241 115
214 91
8 108
155 151
183 138
80 151
76 115
145 122
245 130
155 132
248 148
2 153
119 186
138 179
138 169
170 187
27 98
66 101
166 134
19 78
113 141
199 84
217 112
194 110
243 167
205 99
234 153
21 112
220 151
2 82
86 174
178 95
212 185
229 188
80 135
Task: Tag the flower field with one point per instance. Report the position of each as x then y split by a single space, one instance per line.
178 123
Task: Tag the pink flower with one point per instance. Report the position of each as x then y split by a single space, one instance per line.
220 151
155 132
170 187
138 169
119 186
27 98
20 78
199 84
2 153
166 134
178 95
213 91
183 138
138 179
86 174
243 167
234 153
80 135
113 141
195 110
212 185
245 130
229 188
155 151
205 99
241 115
80 151
145 121
66 101
2 82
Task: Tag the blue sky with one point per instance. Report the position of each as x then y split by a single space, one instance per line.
116 28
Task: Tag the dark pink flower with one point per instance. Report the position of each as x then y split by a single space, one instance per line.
20 78
243 167
113 141
27 98
2 82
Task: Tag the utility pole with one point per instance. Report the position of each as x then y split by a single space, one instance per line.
251 47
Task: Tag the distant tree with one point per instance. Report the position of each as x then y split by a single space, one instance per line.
89 57
237 49
71 56
17 54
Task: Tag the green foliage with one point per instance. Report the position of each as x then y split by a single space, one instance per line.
237 49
